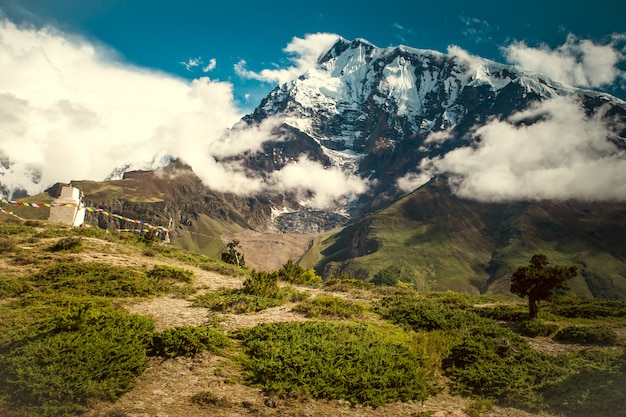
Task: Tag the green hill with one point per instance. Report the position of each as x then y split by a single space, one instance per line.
440 241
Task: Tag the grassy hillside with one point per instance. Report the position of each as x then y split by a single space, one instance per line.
104 324
440 242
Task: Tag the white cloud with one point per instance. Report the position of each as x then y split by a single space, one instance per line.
564 155
210 66
248 139
438 136
69 110
413 181
304 55
329 185
578 62
461 54
191 63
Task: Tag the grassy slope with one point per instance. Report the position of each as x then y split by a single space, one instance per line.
31 298
443 242
439 241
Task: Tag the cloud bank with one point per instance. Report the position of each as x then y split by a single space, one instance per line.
564 155
70 110
578 62
304 54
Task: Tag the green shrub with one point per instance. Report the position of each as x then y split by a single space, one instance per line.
56 366
187 341
587 335
165 272
69 244
594 387
496 364
346 283
13 287
329 306
15 229
99 279
534 328
388 276
591 308
261 283
295 274
334 360
7 244
478 407
503 312
208 398
420 314
451 299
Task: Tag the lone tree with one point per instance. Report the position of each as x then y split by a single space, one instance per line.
538 281
232 255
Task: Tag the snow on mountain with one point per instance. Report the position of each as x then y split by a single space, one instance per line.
383 115
376 111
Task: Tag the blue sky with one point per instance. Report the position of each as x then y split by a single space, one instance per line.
162 34
91 85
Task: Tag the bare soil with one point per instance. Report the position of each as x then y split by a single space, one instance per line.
270 251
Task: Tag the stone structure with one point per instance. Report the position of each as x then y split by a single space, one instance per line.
74 212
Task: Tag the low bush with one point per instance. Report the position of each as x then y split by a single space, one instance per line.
15 229
99 279
388 276
346 283
68 244
187 341
587 335
234 301
594 386
7 244
332 360
165 272
205 398
591 308
534 328
56 366
11 287
419 314
261 283
450 299
496 364
478 407
295 274
503 312
329 306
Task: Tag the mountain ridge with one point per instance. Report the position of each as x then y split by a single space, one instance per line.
380 120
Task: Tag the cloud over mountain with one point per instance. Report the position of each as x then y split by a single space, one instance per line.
579 62
304 53
564 154
70 109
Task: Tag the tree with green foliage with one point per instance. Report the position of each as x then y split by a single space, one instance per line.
232 255
387 276
538 281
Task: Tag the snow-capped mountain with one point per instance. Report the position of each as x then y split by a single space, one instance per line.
378 112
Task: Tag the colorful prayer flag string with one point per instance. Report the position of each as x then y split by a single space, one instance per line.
89 209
